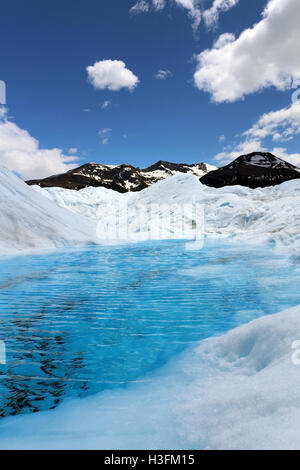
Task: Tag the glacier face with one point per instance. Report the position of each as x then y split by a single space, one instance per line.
269 214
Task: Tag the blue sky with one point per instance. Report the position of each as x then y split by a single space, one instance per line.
49 45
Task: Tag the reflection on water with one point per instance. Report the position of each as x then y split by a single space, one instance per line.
79 322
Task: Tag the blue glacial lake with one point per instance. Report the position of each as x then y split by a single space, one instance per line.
78 322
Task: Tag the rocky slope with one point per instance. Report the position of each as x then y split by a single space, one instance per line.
121 178
255 170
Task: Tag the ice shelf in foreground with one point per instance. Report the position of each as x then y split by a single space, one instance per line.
236 391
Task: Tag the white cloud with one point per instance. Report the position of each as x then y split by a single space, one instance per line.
162 74
262 56
222 138
20 152
159 4
223 40
211 15
106 104
140 7
3 112
73 150
105 135
192 6
280 126
112 75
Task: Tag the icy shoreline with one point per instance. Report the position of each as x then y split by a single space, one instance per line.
235 391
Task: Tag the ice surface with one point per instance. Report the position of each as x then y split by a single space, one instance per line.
236 391
29 220
240 390
262 215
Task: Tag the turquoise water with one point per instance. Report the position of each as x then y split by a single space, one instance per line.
79 322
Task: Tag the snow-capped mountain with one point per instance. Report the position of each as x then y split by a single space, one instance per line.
121 178
255 170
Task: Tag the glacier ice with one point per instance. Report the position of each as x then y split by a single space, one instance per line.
236 391
260 215
32 217
30 221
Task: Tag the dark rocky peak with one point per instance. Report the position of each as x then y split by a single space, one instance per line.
255 170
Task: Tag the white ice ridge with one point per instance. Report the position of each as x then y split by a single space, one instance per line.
265 214
29 220
236 391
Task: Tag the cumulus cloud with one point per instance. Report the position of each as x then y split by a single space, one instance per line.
280 126
162 74
262 56
112 75
223 40
211 15
105 135
20 152
73 150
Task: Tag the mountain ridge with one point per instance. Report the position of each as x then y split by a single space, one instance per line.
254 170
122 178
